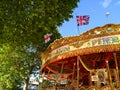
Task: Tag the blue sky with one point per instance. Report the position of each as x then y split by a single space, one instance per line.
96 9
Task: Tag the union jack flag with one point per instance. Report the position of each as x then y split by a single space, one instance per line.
82 20
47 37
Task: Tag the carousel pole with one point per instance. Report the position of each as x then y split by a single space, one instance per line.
61 72
78 68
109 75
107 58
117 71
73 72
57 79
61 69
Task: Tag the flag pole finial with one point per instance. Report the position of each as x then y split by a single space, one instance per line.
107 14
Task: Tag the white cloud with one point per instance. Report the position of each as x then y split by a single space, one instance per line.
106 3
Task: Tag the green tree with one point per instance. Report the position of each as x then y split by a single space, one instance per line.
23 26
9 68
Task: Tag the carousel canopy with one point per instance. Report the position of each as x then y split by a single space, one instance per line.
61 55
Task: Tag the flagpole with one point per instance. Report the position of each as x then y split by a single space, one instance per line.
78 29
82 20
77 25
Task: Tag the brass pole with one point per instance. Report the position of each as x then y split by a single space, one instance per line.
78 73
109 75
90 81
73 72
117 71
61 73
61 69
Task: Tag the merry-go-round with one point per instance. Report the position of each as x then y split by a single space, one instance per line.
89 61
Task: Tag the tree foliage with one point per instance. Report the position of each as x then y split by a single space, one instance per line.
9 67
23 26
22 20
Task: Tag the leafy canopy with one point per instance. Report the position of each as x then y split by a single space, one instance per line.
23 26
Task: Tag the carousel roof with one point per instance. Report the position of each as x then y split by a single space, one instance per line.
90 46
